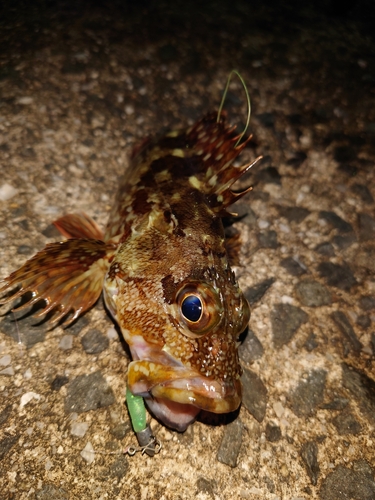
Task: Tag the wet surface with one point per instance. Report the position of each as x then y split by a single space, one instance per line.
80 86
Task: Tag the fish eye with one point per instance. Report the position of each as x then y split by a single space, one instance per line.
198 308
191 308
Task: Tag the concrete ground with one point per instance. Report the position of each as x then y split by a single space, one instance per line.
80 84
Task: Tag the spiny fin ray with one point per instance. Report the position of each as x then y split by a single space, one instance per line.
229 176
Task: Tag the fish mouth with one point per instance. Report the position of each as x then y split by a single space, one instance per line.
203 393
175 393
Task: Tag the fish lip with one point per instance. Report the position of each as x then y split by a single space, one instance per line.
178 407
174 415
204 393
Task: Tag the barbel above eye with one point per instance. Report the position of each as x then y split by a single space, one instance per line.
199 308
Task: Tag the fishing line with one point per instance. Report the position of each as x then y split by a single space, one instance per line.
20 343
235 72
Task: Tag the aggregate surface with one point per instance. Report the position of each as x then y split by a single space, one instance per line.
80 85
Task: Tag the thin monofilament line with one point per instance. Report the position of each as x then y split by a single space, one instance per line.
234 71
20 343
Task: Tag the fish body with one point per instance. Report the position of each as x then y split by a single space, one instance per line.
163 266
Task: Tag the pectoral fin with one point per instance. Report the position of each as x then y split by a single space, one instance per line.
68 276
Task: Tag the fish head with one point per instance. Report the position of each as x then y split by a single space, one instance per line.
181 318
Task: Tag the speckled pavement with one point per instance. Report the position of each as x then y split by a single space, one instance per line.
80 85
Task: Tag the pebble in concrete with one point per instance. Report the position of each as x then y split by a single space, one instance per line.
268 239
27 331
78 325
365 257
336 221
79 429
337 275
66 342
312 294
230 444
309 455
311 342
254 293
273 432
346 423
268 175
363 192
308 394
206 486
367 302
347 484
251 349
94 342
346 329
325 248
366 227
118 468
344 241
293 266
58 382
25 250
362 388
254 395
286 320
294 214
88 392
5 414
6 445
49 491
121 430
337 403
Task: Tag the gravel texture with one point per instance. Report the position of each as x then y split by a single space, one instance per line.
81 83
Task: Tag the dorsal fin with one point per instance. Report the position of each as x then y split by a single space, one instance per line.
214 141
78 225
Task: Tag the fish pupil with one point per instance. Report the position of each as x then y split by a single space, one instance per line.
191 308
